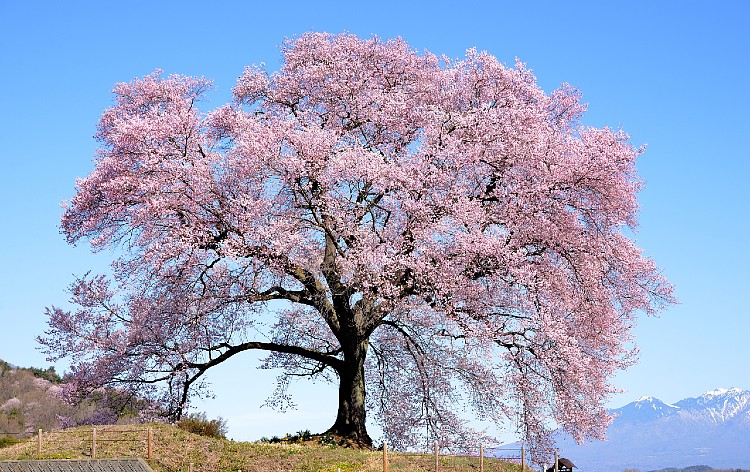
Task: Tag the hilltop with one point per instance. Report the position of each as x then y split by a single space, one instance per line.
31 399
174 450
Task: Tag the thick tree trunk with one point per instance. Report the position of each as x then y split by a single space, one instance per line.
350 419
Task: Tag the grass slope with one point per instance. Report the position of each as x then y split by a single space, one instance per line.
174 450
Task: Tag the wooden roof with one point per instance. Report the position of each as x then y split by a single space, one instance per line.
562 464
91 465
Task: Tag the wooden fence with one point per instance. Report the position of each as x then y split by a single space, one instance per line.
507 454
140 440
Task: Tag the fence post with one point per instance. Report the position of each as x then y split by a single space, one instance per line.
93 443
436 456
523 458
39 443
190 467
481 458
150 444
385 456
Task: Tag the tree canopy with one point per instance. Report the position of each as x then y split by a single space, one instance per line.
425 232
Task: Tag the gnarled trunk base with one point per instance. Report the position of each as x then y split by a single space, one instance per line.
351 416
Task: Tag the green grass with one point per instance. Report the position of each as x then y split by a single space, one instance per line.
173 450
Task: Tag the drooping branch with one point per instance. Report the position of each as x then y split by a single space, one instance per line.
325 359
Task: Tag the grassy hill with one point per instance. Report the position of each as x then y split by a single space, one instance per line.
29 401
174 450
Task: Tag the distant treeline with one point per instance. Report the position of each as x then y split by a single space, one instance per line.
46 374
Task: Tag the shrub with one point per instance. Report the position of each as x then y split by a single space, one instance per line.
328 440
8 441
198 423
302 436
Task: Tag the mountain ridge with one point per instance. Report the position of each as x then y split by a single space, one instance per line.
649 434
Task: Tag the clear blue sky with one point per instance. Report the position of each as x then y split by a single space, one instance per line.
674 74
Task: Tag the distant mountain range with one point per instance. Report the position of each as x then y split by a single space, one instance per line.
648 434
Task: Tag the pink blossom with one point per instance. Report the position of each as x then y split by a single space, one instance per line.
10 404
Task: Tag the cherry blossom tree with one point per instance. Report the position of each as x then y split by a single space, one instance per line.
426 233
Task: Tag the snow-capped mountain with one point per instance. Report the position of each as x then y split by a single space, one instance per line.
648 434
719 405
645 409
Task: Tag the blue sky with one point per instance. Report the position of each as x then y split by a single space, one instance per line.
673 74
